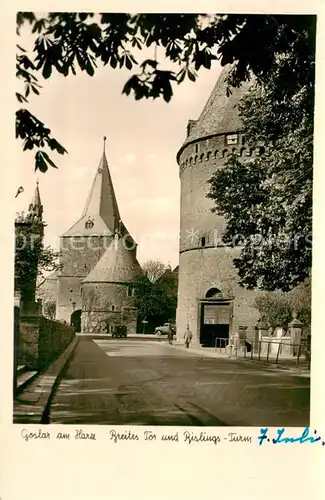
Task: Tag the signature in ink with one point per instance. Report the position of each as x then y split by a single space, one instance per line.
282 438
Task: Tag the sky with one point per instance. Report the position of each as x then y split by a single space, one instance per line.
143 138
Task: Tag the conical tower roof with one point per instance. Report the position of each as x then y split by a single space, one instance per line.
36 201
117 265
101 210
36 207
220 114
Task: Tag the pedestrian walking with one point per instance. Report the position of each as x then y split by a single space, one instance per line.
188 337
170 336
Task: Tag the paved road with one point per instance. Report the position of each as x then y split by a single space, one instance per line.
150 383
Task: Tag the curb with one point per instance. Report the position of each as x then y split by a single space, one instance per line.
25 384
48 382
291 369
278 366
65 359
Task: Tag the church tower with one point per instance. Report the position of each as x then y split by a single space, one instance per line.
35 210
29 234
210 301
82 246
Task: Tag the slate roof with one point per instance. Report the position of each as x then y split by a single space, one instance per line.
117 265
36 201
220 114
101 207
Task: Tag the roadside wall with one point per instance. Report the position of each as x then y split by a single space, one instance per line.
42 341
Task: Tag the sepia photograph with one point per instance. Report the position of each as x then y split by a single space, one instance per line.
164 215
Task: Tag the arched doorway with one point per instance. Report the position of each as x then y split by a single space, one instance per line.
215 321
75 320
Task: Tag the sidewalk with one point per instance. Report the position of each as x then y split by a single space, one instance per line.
32 405
288 364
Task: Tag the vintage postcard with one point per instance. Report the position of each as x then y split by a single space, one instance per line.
165 244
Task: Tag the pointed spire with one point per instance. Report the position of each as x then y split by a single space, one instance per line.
101 212
102 200
36 207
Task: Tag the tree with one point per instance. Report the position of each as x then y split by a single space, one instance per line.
278 308
300 302
32 258
279 51
274 309
153 269
49 309
156 301
267 199
68 42
99 314
93 319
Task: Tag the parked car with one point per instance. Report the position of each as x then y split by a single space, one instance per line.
163 330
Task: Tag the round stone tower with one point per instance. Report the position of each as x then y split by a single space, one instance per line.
107 293
210 301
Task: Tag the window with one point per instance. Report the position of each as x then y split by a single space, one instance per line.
203 241
129 291
213 292
89 224
113 308
196 148
232 139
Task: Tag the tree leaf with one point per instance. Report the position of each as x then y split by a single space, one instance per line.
40 163
47 70
48 159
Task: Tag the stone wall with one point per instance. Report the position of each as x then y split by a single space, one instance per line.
102 301
42 340
78 256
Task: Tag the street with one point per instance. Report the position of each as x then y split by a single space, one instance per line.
134 382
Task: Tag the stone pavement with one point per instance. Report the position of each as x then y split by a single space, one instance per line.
127 382
35 404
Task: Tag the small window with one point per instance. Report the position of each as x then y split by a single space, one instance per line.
232 139
203 241
129 291
196 148
89 224
113 308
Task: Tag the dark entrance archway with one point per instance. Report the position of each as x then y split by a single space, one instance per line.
215 322
75 320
